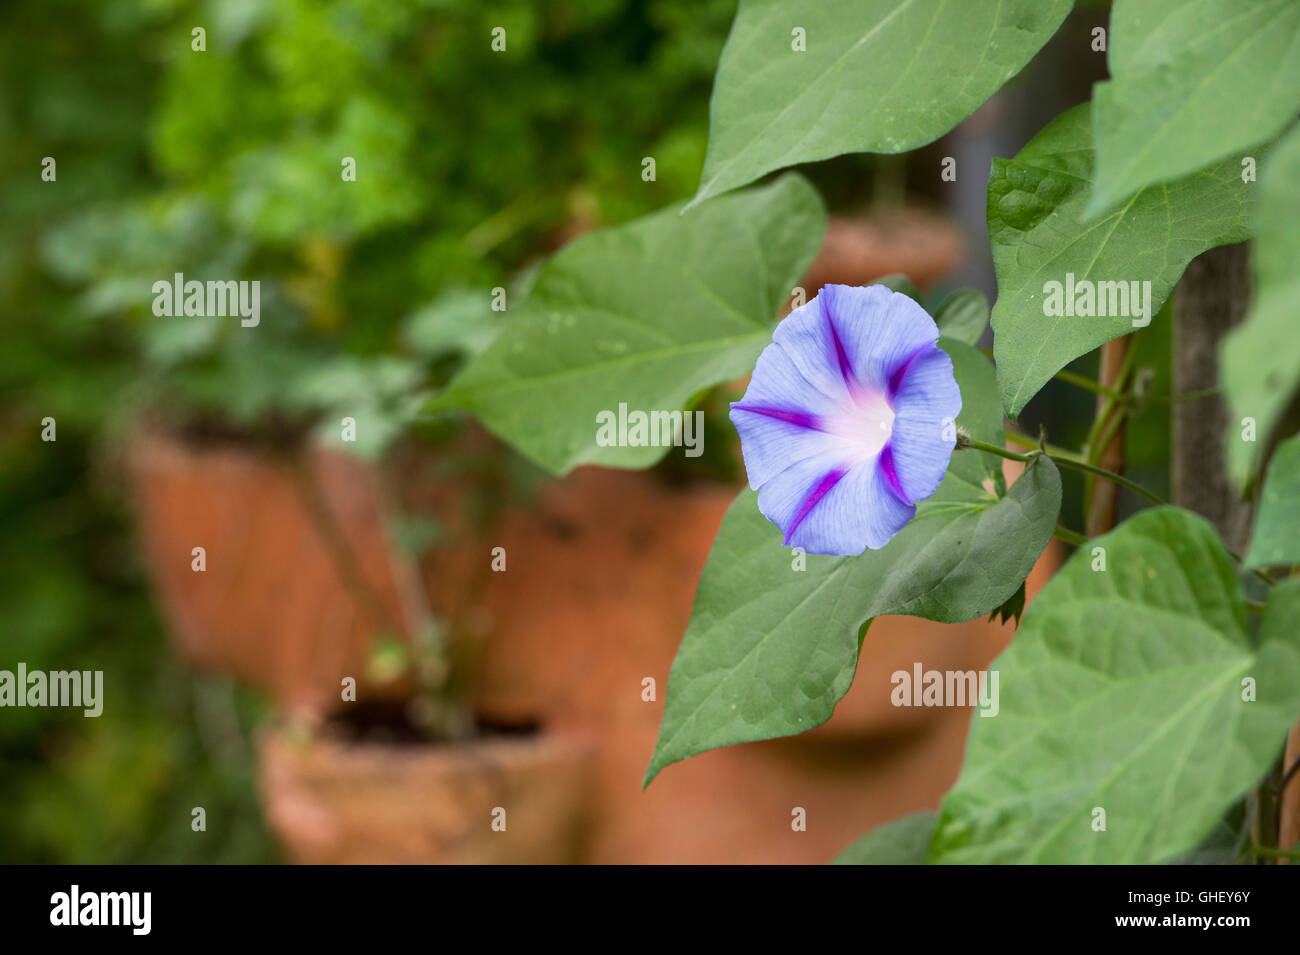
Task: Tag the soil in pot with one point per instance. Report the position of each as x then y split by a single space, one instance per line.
368 789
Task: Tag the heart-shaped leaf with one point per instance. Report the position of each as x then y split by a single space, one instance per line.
963 315
1261 357
1039 234
801 80
1133 708
1193 81
644 315
1276 539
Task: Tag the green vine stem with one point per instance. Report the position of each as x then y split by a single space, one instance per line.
1115 399
1025 441
1079 381
1105 444
1073 538
1087 384
964 440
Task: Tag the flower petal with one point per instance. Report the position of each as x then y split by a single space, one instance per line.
781 417
880 330
843 423
770 443
779 382
810 339
826 508
925 409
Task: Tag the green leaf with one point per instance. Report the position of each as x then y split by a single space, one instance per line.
963 315
1276 539
1035 215
770 648
1193 82
460 321
1011 609
900 283
877 75
1261 358
1123 691
1148 430
1227 843
646 314
901 841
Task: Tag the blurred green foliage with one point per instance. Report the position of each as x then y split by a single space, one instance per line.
226 164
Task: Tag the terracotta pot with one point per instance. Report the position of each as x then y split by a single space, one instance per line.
921 245
335 802
600 579
288 603
600 572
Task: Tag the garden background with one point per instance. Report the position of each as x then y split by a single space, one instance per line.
473 165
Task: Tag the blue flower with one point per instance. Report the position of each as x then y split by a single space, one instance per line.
848 420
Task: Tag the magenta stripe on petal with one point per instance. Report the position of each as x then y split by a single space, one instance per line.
798 418
841 356
891 476
896 379
819 491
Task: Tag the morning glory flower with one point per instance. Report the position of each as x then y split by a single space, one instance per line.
848 419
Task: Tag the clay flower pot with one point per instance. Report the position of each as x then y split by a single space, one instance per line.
300 577
600 578
331 801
